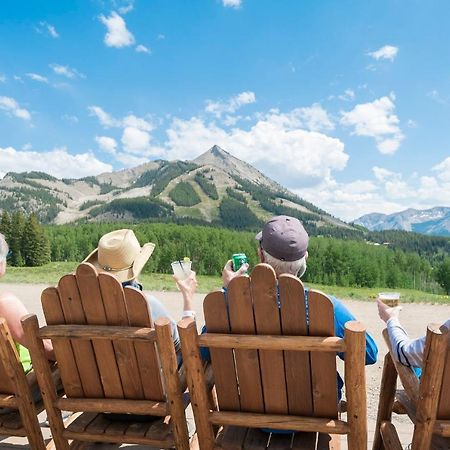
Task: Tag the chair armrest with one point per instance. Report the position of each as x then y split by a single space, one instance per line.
390 436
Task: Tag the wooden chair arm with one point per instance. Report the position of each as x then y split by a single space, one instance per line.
390 436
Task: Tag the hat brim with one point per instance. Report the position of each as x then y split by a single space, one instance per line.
125 274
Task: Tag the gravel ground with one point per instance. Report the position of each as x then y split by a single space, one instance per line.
415 318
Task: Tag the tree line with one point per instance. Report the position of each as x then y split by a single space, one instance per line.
331 261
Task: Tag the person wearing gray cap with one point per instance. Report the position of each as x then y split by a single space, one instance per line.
283 244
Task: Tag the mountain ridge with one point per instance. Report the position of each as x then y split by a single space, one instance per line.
433 221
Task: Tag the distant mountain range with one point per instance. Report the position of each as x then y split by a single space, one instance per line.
434 221
213 188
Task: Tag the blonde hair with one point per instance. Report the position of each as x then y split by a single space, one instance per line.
4 249
297 268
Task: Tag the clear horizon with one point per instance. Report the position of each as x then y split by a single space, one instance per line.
346 104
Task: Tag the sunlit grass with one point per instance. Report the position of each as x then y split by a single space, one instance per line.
51 273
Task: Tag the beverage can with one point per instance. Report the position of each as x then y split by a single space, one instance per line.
238 259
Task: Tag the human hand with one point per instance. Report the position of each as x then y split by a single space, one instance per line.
228 274
187 286
386 312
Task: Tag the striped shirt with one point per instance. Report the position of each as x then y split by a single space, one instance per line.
407 351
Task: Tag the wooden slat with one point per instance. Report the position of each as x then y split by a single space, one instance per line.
116 314
444 401
247 361
328 442
267 321
271 342
279 422
233 438
297 364
256 439
81 422
280 441
98 425
390 437
222 360
94 311
54 315
83 351
139 315
323 366
97 332
304 441
137 429
7 400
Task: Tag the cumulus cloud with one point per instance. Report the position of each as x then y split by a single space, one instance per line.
231 105
37 77
348 95
105 119
387 52
66 71
378 120
126 8
117 33
47 28
142 49
443 170
63 164
135 140
108 144
11 106
232 3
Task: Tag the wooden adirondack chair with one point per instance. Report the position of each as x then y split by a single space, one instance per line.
15 394
274 366
105 348
426 401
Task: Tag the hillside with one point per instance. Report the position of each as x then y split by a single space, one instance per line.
215 188
434 221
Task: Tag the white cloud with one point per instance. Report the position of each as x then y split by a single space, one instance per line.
2 78
135 140
231 105
45 27
387 52
70 118
443 170
117 35
11 106
63 164
126 9
232 3
37 77
275 144
161 37
377 120
108 144
66 71
348 95
105 119
142 49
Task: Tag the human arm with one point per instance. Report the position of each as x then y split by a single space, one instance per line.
12 310
341 316
228 273
187 288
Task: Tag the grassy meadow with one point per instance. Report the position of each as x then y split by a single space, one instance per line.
51 273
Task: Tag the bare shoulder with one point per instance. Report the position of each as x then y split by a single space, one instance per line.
7 296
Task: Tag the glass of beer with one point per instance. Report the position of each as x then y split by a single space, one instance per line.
390 299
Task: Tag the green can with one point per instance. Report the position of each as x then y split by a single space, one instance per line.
238 259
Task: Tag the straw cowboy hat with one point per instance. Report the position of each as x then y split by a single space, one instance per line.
120 254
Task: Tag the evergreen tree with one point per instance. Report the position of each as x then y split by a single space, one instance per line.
15 239
443 275
35 245
5 225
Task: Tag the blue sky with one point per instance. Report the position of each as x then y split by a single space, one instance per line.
346 103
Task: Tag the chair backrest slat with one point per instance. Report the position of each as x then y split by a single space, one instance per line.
95 314
83 350
323 365
222 360
267 320
139 316
242 321
297 364
444 401
70 377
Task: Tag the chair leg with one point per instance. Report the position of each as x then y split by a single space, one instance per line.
386 400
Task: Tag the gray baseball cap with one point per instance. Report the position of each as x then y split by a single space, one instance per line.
284 238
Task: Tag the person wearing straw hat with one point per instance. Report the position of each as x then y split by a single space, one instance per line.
120 254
